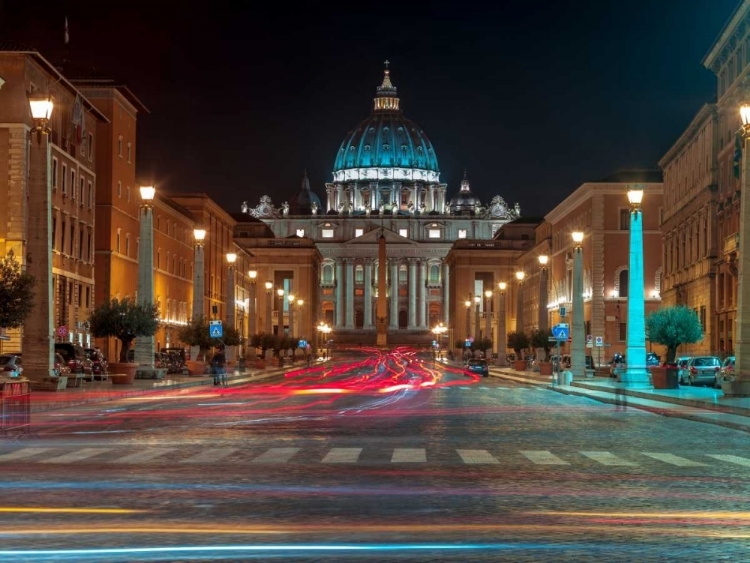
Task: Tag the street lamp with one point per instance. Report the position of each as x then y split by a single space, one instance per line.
299 302
198 274
253 275
578 350
520 275
740 385
144 345
231 302
269 305
502 337
291 298
488 315
280 313
468 316
439 330
38 331
325 329
543 318
477 301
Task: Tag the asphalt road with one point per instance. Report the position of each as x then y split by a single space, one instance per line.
373 459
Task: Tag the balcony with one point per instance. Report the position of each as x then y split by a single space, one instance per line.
731 243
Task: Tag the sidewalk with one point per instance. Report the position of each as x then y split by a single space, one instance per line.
100 391
702 404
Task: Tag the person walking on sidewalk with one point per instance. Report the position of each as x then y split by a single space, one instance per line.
218 367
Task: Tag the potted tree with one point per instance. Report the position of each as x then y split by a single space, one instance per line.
126 320
518 341
196 333
670 327
264 342
540 338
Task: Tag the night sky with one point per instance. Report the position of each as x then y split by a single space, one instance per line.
532 102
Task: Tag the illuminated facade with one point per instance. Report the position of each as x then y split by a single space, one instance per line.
385 179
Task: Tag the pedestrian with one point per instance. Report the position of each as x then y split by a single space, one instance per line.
621 400
218 367
308 354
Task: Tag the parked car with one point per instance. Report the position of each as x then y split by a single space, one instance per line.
75 356
704 370
99 364
177 359
10 365
652 359
61 366
683 373
726 373
478 366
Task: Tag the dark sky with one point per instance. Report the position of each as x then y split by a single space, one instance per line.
533 98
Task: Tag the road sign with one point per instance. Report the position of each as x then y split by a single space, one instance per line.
589 339
215 329
62 330
560 331
599 341
562 311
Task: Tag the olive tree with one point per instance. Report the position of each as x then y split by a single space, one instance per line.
672 326
126 320
16 293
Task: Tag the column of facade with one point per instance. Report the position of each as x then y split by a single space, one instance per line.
339 294
394 294
412 318
446 296
423 294
349 293
368 295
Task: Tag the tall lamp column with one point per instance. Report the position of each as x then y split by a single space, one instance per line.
578 349
740 386
477 301
488 314
636 373
520 275
269 306
231 351
502 337
543 317
291 299
144 345
253 274
468 317
280 320
38 332
198 282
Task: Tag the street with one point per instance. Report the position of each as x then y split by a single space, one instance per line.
373 458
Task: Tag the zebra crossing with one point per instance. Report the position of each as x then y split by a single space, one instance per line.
129 455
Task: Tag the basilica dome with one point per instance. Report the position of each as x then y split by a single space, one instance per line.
464 200
305 201
386 145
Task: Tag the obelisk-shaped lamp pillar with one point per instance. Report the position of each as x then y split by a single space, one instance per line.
382 315
578 348
144 345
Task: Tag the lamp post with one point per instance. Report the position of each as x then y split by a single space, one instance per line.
636 374
280 315
578 349
488 314
325 329
144 345
253 274
38 330
269 306
198 283
468 316
520 275
740 386
291 299
543 318
502 337
231 303
300 303
439 330
477 301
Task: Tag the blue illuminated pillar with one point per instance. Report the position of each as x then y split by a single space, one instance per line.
578 346
636 374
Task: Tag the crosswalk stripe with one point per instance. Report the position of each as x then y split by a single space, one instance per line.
731 459
543 457
477 456
25 452
342 455
409 455
674 459
211 455
276 455
606 458
78 455
145 455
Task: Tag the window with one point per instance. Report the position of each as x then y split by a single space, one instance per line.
127 244
54 173
62 236
359 274
72 184
130 151
91 146
328 273
402 274
117 241
433 233
119 146
624 279
300 233
88 297
404 233
158 259
461 233
80 295
91 195
72 237
88 246
81 197
623 333
70 294
80 242
434 273
63 179
327 233
359 232
127 192
702 316
119 189
624 219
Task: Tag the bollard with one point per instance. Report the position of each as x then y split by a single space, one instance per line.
566 377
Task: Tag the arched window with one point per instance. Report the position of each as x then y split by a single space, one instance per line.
434 273
623 279
359 274
328 273
402 275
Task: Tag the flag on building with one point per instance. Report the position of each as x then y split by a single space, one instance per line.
737 155
67 37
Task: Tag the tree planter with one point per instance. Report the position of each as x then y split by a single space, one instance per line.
519 365
259 364
196 367
122 374
545 368
664 377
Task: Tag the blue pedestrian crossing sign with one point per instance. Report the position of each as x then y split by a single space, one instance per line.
561 331
215 329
